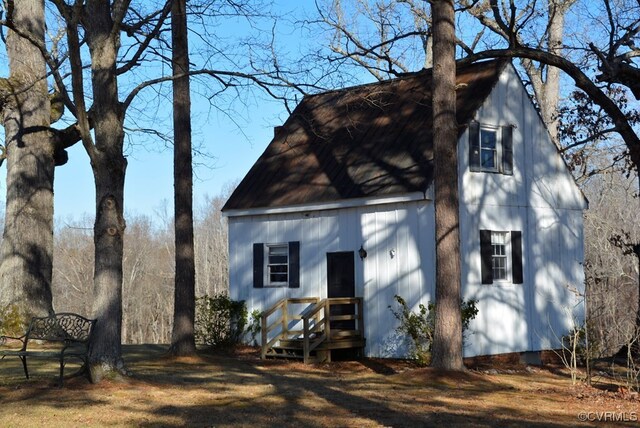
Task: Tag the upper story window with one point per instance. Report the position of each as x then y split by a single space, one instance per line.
490 148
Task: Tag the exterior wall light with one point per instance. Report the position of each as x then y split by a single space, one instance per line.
362 253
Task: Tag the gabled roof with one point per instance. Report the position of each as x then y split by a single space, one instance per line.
371 140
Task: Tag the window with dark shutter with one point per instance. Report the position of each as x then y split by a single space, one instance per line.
501 257
490 148
276 265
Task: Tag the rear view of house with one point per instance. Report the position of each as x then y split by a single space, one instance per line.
340 205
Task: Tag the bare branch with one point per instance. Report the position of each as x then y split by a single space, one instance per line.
134 61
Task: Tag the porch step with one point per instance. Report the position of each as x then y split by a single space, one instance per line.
290 356
283 355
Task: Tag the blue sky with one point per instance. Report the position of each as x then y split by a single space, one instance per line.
149 180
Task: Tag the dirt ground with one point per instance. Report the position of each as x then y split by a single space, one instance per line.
238 389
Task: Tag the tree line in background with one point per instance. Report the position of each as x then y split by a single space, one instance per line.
148 269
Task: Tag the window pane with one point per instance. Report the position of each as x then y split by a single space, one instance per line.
278 268
488 139
278 264
277 259
499 258
488 159
278 250
488 152
278 277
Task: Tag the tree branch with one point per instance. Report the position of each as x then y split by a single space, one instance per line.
583 82
164 12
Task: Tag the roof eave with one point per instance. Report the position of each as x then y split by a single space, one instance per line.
330 205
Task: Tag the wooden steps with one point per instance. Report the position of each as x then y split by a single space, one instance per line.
294 348
283 337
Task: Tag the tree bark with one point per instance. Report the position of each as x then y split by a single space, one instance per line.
109 167
447 342
183 339
27 247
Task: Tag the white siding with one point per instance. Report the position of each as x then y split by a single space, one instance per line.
542 201
407 229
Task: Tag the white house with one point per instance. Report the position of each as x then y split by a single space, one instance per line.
351 171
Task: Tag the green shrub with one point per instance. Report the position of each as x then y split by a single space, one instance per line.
420 326
220 321
12 323
255 326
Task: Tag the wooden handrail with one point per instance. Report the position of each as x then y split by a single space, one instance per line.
319 312
307 346
282 321
266 328
272 309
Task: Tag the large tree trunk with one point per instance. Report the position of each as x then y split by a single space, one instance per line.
109 166
447 342
27 247
182 340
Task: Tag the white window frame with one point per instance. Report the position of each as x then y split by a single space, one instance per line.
502 238
498 150
268 265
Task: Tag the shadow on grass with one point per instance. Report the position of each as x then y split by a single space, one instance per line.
241 390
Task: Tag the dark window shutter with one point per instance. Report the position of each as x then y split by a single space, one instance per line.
258 265
516 257
474 146
486 255
507 150
294 264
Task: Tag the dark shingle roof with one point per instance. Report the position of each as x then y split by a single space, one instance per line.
366 141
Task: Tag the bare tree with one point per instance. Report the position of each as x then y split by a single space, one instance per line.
447 341
548 18
73 266
211 248
619 42
183 337
611 272
148 284
384 38
27 246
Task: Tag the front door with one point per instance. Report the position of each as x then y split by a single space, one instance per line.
341 282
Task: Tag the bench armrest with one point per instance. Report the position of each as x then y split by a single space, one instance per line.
4 339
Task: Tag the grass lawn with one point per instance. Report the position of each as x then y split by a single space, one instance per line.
219 390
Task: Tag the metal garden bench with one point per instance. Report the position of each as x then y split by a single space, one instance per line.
61 336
